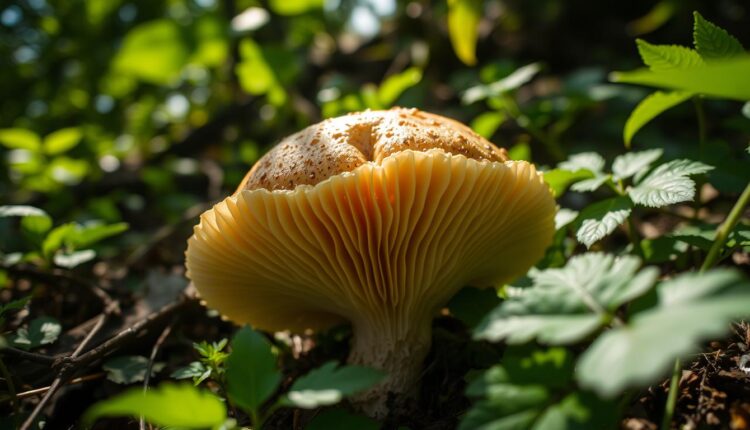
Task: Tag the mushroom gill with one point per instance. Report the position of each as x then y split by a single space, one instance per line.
377 219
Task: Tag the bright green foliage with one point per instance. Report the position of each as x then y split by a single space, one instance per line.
560 179
528 390
169 405
567 304
62 140
393 86
153 52
211 364
691 308
668 184
684 70
732 85
19 138
666 57
295 7
329 384
252 374
713 42
487 123
463 26
40 331
649 108
129 369
601 218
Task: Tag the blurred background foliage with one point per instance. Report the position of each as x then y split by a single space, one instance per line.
142 111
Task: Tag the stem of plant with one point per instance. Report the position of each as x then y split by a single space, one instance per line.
11 387
713 256
726 227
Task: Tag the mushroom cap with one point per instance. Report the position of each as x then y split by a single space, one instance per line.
376 216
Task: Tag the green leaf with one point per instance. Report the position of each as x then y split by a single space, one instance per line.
295 7
153 52
74 259
470 304
87 235
166 405
20 138
559 179
601 219
590 161
41 331
14 305
128 369
390 90
712 41
36 225
632 163
196 371
567 304
252 376
341 419
691 308
722 78
668 184
520 151
255 74
62 140
564 217
529 391
20 211
56 238
665 57
511 82
463 28
649 108
589 185
487 123
329 384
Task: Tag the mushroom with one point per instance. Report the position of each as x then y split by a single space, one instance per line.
377 219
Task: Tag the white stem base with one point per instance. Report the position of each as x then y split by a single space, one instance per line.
400 352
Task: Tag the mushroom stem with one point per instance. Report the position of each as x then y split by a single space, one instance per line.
396 347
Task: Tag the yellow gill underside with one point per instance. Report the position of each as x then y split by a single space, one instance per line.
386 242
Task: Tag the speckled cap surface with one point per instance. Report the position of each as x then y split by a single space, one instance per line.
342 144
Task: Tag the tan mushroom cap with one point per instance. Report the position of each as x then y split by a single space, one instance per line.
378 219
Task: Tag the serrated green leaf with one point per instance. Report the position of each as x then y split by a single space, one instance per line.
632 163
463 28
251 372
20 138
515 80
665 57
567 304
559 180
128 369
62 140
41 331
713 42
530 392
329 384
390 90
721 78
168 405
602 218
692 308
194 370
649 108
590 161
668 184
